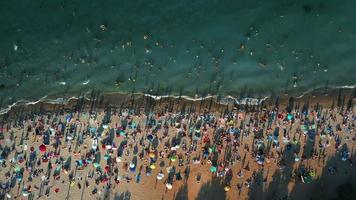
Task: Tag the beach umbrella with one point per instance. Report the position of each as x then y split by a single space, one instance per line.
153 166
17 169
344 155
94 144
210 150
160 176
308 179
297 158
79 163
169 186
118 159
68 118
72 183
289 116
42 148
96 165
133 125
280 116
70 137
25 193
206 153
56 190
108 147
213 169
107 169
174 158
150 137
106 156
312 174
132 167
19 178
152 155
122 132
227 188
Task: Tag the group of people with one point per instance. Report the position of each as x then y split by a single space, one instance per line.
46 153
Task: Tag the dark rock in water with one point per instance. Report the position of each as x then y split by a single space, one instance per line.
307 8
2 86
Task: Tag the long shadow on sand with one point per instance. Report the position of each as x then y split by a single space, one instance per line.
182 193
337 181
329 186
123 196
212 190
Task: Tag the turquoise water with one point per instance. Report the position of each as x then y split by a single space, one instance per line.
67 48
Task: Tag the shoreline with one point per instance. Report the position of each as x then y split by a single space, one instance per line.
141 101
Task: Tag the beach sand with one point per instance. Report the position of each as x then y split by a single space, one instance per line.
277 185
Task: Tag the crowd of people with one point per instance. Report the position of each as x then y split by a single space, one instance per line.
51 153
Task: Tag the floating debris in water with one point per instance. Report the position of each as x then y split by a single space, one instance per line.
86 82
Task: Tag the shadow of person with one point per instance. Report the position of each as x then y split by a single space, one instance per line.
212 190
123 196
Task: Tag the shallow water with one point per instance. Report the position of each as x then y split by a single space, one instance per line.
67 48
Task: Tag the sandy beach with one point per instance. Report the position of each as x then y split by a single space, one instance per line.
232 156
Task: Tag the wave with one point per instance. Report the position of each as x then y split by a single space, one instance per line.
329 87
223 100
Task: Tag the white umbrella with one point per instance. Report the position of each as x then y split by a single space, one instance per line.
169 186
160 176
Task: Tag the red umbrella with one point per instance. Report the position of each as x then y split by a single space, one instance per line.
42 148
280 116
107 169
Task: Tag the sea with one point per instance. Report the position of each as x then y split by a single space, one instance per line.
68 48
